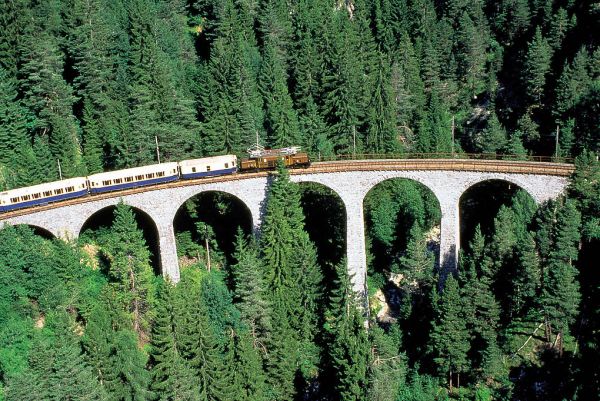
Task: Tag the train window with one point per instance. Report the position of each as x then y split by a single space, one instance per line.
58 191
128 179
69 189
14 200
149 175
226 165
139 177
174 171
233 164
193 169
118 180
47 193
207 168
36 196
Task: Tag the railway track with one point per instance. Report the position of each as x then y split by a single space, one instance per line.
474 165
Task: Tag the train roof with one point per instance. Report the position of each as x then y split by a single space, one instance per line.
153 168
44 187
193 162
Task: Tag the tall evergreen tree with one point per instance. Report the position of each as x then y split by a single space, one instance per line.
172 377
449 337
560 294
348 348
536 67
130 271
280 118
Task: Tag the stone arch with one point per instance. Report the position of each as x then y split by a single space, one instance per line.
509 179
224 230
423 185
148 225
418 179
482 199
331 218
39 230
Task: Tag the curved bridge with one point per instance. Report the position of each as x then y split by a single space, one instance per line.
448 179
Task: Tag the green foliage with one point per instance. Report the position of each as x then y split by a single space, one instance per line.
449 336
130 272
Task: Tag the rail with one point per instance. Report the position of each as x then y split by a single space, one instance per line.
340 165
447 155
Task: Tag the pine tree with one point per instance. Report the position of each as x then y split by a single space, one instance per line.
417 263
130 271
449 337
200 347
112 351
348 346
493 137
251 379
409 89
57 368
250 292
381 134
387 365
342 96
526 280
172 377
536 67
560 293
293 279
281 120
50 99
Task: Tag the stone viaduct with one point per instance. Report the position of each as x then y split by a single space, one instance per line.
351 181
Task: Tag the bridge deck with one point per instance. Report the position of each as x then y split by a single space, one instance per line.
470 165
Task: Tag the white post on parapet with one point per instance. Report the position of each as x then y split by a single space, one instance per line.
59 170
157 149
452 136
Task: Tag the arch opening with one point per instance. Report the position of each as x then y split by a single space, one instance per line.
210 218
393 208
479 204
100 222
42 232
402 232
325 223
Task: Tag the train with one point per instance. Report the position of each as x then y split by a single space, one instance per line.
149 175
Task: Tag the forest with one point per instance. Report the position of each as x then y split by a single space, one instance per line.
95 84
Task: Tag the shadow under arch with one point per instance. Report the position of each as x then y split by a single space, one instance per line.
479 204
40 231
325 221
103 219
391 208
223 211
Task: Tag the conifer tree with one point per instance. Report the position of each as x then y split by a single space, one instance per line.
251 379
50 99
172 377
293 279
112 351
560 294
200 346
536 67
281 120
526 280
449 337
493 138
381 135
57 369
130 271
342 97
348 347
250 292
